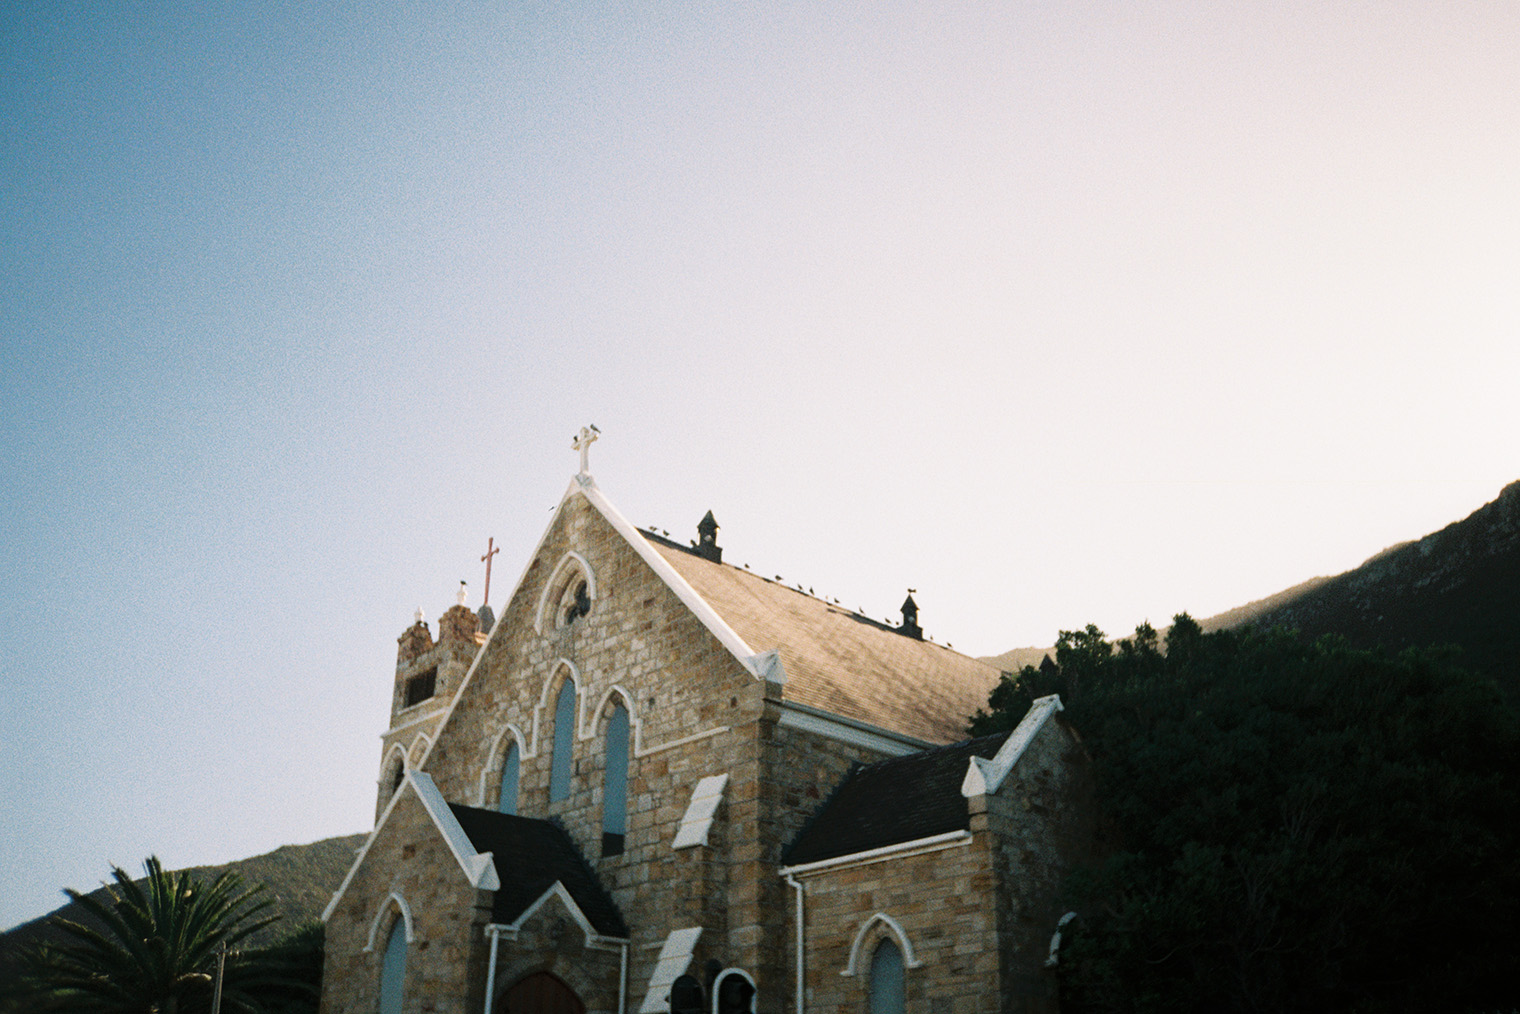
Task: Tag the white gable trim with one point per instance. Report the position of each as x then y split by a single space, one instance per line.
697 821
910 959
385 906
848 730
477 866
983 776
422 738
570 561
481 653
699 606
594 940
674 959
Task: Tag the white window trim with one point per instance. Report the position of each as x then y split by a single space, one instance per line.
910 960
543 701
742 974
554 588
494 758
385 906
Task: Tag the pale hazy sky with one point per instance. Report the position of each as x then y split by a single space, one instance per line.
1056 312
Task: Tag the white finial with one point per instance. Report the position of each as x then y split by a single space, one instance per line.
582 443
418 615
459 598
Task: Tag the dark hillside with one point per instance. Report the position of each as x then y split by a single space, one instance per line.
1458 586
300 879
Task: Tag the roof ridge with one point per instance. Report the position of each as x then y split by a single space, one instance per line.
651 534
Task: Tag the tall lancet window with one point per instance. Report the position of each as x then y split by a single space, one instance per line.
564 737
510 766
887 992
615 790
393 968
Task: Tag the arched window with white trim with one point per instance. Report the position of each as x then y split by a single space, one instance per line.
615 783
393 968
888 994
511 767
564 740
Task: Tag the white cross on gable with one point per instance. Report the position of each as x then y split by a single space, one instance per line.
582 443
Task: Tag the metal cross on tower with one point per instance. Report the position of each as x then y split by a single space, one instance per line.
491 550
582 443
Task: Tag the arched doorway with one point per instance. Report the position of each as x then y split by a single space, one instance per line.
540 993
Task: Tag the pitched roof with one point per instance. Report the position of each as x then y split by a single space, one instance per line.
892 801
531 856
837 660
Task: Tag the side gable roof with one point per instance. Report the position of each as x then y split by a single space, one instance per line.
531 857
476 865
839 661
892 801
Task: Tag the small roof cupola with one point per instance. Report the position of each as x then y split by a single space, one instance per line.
910 627
707 539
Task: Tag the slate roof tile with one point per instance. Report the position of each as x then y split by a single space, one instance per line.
839 661
530 855
893 801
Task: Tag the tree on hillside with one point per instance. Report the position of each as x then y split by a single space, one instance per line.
153 946
1294 827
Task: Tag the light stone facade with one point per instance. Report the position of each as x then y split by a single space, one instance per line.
701 701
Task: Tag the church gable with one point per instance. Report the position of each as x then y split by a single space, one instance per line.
591 613
595 800
431 879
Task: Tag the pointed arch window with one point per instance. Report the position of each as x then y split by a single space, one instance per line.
564 737
887 992
615 788
511 767
393 968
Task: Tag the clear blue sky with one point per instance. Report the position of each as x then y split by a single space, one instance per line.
1057 313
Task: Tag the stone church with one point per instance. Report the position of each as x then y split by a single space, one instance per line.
659 781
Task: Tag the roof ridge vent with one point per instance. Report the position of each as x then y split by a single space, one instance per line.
910 627
707 539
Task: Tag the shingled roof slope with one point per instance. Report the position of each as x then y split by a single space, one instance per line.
530 855
839 661
893 801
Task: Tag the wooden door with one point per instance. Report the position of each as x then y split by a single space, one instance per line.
540 993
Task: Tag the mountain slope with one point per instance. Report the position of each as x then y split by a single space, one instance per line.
1458 586
299 879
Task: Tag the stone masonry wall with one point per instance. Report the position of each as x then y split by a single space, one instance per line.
802 770
943 901
444 963
693 709
1041 822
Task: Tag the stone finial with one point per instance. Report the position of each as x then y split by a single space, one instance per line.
707 539
910 627
461 595
418 616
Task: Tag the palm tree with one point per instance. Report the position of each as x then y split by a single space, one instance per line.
154 948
